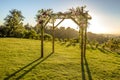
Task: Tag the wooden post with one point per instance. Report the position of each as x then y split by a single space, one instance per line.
42 36
81 44
53 35
85 37
82 38
42 39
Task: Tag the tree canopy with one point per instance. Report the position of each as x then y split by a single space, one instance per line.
14 20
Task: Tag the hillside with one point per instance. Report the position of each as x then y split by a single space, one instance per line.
19 59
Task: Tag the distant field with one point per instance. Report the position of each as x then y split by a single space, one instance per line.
19 59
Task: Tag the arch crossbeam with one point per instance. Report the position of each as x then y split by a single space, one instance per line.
78 15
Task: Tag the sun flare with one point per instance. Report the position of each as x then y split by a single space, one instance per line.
94 25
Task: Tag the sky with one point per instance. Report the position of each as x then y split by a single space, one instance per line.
105 13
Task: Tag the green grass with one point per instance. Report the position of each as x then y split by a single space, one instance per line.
19 59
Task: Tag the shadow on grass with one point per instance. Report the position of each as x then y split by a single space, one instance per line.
82 69
32 65
85 67
118 53
102 50
108 51
105 50
88 69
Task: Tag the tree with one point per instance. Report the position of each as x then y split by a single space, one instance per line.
19 31
13 20
28 26
37 28
4 31
113 44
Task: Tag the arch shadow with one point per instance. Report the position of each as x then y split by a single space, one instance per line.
26 69
85 67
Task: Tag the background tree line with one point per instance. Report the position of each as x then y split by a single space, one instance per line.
104 42
13 27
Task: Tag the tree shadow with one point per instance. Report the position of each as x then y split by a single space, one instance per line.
105 50
85 67
102 50
68 45
108 51
29 67
118 53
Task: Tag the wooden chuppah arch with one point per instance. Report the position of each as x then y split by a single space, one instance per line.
78 15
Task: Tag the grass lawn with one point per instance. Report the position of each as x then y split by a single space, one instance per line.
19 60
